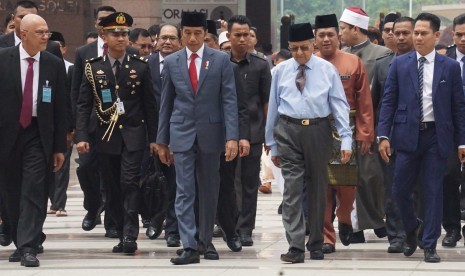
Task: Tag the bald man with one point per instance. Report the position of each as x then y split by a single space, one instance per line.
32 133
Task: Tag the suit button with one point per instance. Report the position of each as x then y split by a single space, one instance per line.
142 121
120 126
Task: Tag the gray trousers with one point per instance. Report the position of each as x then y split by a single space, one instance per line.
304 153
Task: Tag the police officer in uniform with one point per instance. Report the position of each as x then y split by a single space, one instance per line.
121 86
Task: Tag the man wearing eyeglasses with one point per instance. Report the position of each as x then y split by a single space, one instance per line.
140 39
305 90
388 31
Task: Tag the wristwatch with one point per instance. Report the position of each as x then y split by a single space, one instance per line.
381 138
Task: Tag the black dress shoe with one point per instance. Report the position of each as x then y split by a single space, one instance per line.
153 232
411 242
395 247
217 232
173 241
462 214
90 221
317 255
129 245
188 256
211 253
29 260
280 209
381 232
345 233
246 240
15 257
5 238
40 248
293 256
451 238
234 244
118 248
145 223
431 256
328 248
357 237
111 233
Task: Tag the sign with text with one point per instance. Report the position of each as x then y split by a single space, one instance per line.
215 9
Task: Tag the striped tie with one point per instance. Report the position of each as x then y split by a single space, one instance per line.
420 86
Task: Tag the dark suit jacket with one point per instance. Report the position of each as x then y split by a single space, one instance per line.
208 117
8 40
380 73
51 116
400 108
135 91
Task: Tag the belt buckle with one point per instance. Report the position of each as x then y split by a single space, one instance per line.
305 122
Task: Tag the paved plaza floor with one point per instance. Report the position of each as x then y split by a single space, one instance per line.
71 251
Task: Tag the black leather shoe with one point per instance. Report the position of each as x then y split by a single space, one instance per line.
451 238
15 257
317 255
328 248
395 247
111 233
246 240
217 232
90 221
40 248
129 245
381 232
118 248
145 223
280 209
5 238
173 241
153 232
211 253
29 260
293 256
345 233
188 256
431 256
411 242
234 244
357 237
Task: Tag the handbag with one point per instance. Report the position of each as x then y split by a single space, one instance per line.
154 188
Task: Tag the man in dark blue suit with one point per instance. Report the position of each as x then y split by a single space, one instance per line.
198 121
423 110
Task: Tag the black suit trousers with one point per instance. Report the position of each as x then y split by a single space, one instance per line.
451 209
59 184
227 211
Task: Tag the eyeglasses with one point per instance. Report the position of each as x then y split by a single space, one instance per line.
303 48
166 38
227 48
41 33
388 30
144 46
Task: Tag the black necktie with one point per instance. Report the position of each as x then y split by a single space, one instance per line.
117 69
301 78
420 86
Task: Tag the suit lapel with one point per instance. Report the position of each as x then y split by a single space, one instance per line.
413 68
42 78
438 60
207 62
182 64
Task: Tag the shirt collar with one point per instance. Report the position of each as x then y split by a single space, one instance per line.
199 52
17 39
429 57
100 42
161 57
112 60
361 45
308 64
246 58
23 54
459 54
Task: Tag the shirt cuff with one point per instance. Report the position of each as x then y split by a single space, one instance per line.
462 147
346 143
274 150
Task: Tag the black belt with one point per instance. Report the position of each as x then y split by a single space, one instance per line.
426 125
302 122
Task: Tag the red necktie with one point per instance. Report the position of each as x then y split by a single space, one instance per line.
193 72
105 49
26 108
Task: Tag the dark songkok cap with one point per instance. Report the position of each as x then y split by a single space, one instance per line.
300 32
57 36
211 27
392 17
194 19
117 22
326 21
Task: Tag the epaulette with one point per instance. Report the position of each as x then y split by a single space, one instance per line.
450 46
386 55
94 59
139 58
258 56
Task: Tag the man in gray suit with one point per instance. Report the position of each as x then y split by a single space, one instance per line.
198 120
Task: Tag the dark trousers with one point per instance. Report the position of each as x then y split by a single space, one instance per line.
171 227
452 179
121 176
425 158
59 184
249 183
227 212
304 153
23 186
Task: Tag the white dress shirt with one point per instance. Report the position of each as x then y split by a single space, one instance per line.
17 39
23 55
428 72
100 46
161 60
198 60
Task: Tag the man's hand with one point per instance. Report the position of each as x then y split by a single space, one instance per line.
462 155
69 139
230 150
385 150
164 154
275 160
364 147
244 147
267 149
58 160
153 149
345 156
82 147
